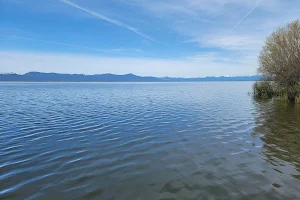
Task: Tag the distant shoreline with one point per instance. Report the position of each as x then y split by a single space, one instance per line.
120 81
109 78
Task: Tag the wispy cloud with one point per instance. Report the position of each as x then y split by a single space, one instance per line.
255 6
230 42
114 50
208 65
112 21
222 28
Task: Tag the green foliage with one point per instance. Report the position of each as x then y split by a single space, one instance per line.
263 89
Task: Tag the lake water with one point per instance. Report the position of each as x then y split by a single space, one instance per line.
146 141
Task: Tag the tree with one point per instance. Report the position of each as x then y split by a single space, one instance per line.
280 58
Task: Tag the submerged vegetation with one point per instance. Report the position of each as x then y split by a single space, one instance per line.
280 65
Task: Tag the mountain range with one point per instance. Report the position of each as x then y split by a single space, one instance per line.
56 77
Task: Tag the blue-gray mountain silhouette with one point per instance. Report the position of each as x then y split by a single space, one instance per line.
55 77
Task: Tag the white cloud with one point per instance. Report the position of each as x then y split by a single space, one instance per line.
22 62
230 42
225 24
195 25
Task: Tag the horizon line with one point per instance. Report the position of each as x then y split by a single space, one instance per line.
224 76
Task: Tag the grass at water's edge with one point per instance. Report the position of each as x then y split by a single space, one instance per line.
269 89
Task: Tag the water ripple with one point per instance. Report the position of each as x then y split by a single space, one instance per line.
146 141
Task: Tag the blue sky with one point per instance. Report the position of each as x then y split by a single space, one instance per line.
179 38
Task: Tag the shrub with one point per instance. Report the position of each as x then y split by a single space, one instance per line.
280 57
280 61
263 89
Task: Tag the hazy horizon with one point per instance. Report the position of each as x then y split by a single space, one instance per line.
51 72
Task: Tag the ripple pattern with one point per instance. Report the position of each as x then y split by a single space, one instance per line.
146 141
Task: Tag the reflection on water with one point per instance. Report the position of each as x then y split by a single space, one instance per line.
146 141
278 126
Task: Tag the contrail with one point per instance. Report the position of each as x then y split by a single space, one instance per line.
58 43
257 4
115 22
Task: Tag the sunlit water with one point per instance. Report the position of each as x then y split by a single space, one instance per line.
146 141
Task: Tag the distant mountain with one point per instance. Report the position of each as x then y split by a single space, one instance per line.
214 78
55 77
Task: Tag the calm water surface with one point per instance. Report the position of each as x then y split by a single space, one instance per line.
146 141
